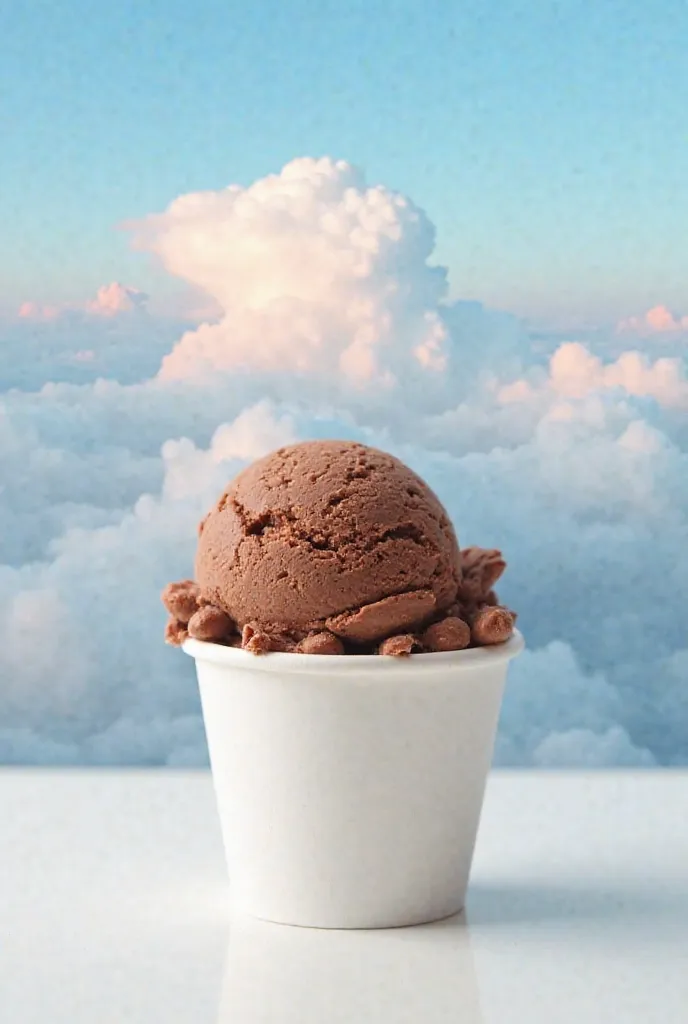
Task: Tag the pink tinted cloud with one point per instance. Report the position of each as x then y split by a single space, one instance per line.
115 298
111 300
312 270
658 320
576 373
36 311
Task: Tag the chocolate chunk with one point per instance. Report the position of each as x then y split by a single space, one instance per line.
450 634
400 646
181 599
210 623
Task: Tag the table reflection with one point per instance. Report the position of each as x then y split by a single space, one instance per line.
310 976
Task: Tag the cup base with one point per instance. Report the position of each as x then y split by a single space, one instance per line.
423 919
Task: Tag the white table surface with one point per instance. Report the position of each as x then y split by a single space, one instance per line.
113 909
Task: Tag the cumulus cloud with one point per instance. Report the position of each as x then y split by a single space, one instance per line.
115 298
111 335
658 320
574 372
578 723
110 300
576 463
314 271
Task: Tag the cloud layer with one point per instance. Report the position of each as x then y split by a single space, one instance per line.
334 322
111 335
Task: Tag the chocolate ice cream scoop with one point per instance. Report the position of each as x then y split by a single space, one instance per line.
329 535
332 547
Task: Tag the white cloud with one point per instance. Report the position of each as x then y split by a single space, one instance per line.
334 323
314 271
575 725
81 635
80 346
110 335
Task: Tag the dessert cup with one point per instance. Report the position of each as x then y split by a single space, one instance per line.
349 788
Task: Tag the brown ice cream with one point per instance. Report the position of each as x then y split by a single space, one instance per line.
332 547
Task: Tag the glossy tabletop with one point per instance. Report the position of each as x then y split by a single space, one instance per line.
113 909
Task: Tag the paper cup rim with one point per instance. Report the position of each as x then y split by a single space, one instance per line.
235 657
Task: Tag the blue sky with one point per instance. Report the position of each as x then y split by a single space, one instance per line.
547 141
546 144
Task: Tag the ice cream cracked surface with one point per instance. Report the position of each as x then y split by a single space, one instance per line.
334 547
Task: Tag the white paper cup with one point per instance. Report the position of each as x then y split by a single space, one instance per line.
350 788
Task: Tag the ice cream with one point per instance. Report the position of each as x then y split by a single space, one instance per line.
333 547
